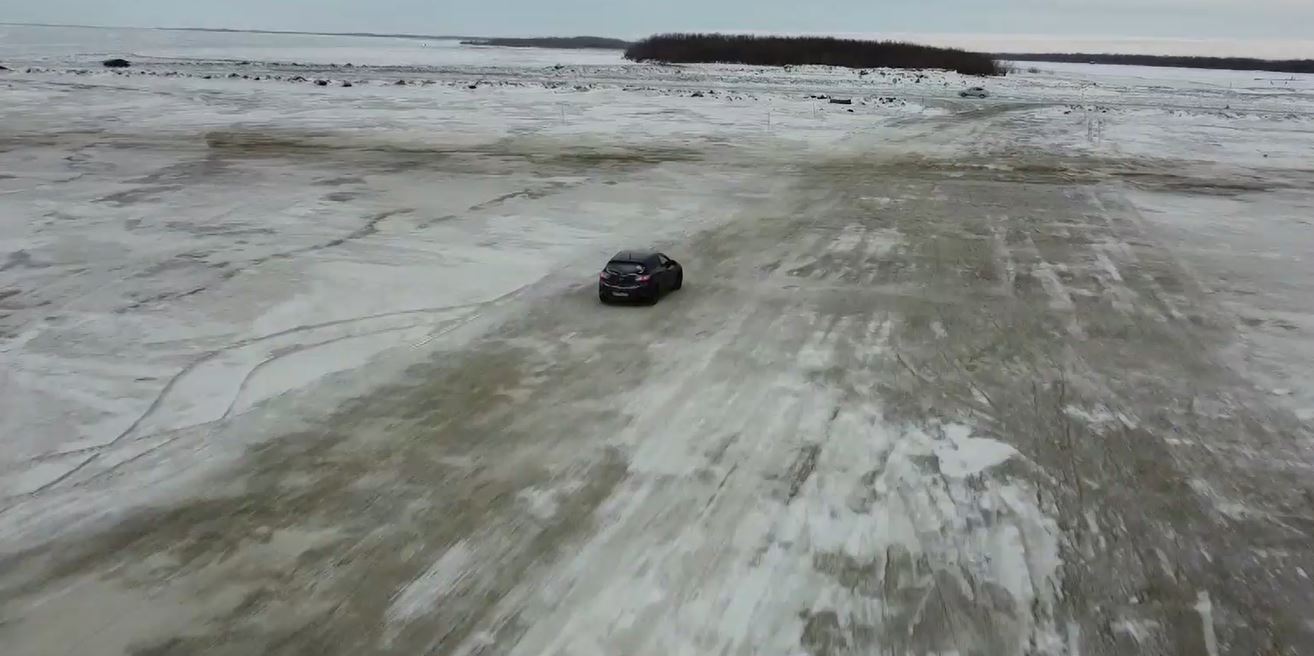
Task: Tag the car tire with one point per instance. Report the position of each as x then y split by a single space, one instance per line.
604 298
679 281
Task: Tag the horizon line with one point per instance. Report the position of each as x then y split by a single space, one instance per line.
929 38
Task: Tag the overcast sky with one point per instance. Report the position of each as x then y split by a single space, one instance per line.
1247 19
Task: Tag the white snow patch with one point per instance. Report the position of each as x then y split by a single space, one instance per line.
1205 606
963 456
1074 638
422 595
1138 630
1094 417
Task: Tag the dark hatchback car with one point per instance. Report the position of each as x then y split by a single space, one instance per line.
639 276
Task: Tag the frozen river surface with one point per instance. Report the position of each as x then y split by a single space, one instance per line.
301 369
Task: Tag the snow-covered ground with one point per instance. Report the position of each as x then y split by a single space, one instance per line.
320 369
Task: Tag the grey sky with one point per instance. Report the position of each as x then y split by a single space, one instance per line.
1286 19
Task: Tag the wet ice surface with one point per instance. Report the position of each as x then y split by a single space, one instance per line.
297 369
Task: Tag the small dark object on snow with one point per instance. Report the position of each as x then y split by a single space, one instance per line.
233 75
696 94
841 101
639 276
116 63
347 85
862 73
207 77
473 86
321 83
2 68
400 83
296 78
850 111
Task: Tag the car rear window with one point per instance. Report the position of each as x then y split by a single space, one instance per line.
625 267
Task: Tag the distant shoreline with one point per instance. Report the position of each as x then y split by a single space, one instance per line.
1204 62
554 42
1299 66
368 35
226 30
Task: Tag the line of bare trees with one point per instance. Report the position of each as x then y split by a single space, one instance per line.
800 50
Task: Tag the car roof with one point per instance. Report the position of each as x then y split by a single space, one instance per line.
633 256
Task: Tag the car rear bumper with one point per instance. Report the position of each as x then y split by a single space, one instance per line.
623 292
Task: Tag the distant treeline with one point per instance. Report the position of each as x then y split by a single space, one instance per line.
564 42
1228 63
372 35
800 50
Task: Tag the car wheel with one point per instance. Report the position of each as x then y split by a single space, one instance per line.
679 281
604 298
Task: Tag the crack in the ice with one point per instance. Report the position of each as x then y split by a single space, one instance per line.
371 227
168 387
531 193
98 451
801 470
898 356
63 477
160 298
301 348
721 486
